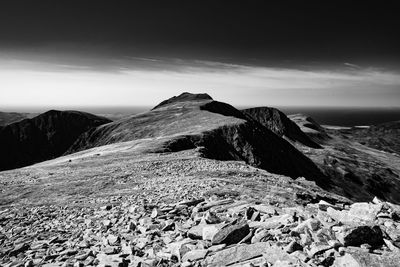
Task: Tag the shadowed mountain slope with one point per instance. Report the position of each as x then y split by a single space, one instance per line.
217 129
279 123
43 137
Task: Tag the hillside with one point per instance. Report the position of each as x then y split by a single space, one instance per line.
360 161
43 137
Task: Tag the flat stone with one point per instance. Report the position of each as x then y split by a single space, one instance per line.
211 218
323 205
361 259
293 246
337 215
16 264
216 248
265 209
196 232
175 247
316 248
365 211
110 250
261 235
209 231
69 252
236 254
18 249
107 223
113 240
231 234
53 264
84 244
111 260
260 261
393 233
311 224
194 255
241 253
272 222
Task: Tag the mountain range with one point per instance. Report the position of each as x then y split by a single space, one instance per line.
355 163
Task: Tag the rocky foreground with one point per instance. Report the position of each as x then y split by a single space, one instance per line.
202 232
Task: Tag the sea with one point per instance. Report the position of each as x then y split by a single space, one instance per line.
347 116
323 115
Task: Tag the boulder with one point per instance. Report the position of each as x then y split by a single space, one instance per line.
355 236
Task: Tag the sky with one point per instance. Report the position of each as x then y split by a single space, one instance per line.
66 54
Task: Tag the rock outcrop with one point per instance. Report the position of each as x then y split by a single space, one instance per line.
182 98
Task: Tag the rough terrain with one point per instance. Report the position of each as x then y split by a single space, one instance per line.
211 231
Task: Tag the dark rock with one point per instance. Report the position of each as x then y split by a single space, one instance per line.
231 234
355 236
293 246
18 249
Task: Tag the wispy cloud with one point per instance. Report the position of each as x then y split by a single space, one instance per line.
354 66
146 81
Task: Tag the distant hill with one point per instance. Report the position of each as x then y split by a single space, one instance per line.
280 124
43 137
384 136
11 117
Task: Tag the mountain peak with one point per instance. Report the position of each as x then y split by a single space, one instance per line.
184 97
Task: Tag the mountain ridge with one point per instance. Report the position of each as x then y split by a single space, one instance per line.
43 137
280 124
199 122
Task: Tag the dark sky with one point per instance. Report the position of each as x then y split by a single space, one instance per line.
265 31
295 53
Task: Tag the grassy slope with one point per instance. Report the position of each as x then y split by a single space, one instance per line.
125 171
